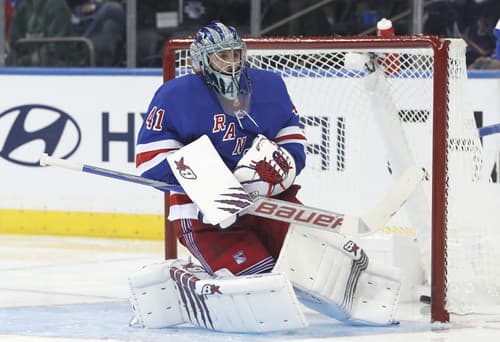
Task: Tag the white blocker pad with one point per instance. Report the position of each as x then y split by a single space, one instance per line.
333 276
208 182
177 291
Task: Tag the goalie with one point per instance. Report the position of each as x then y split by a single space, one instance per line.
250 119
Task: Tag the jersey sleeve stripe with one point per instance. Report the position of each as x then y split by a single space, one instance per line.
290 132
143 157
158 145
148 165
291 141
290 136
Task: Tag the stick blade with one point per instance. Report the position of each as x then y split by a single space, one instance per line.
376 218
355 226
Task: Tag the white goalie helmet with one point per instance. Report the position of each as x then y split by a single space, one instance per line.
219 54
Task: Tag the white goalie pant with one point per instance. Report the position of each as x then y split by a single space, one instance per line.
176 292
332 275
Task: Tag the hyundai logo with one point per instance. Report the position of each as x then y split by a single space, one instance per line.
29 130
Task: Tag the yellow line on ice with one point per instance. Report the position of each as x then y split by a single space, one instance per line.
88 224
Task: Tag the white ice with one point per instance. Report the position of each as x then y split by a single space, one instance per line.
61 289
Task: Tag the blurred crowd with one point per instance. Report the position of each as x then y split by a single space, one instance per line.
93 32
65 32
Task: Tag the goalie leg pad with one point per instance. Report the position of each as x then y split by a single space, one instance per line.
255 303
337 279
154 298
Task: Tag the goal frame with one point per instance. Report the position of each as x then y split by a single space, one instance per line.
439 145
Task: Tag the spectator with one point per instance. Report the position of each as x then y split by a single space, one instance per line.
39 19
493 61
479 34
9 11
150 38
480 40
104 23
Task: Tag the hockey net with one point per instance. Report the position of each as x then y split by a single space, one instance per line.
370 107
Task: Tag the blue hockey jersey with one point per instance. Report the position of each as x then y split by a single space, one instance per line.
184 109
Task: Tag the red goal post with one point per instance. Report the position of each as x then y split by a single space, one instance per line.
335 101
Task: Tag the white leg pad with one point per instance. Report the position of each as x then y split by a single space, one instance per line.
154 298
256 303
332 275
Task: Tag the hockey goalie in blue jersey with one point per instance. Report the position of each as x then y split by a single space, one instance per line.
249 118
233 105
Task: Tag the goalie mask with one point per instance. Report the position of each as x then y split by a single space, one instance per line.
219 54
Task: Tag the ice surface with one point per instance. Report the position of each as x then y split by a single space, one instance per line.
75 290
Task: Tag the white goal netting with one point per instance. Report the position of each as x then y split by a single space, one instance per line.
368 114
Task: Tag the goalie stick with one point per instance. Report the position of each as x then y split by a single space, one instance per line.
282 210
46 160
